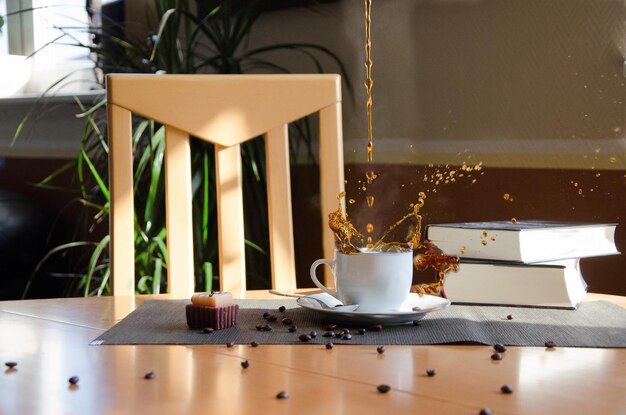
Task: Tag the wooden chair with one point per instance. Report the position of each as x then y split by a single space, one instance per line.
226 110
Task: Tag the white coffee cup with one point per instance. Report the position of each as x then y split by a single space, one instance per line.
376 281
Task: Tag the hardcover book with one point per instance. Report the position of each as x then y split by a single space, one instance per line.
524 241
556 284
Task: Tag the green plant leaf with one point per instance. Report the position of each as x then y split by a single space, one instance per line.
96 176
93 261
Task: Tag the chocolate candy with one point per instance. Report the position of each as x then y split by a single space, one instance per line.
431 372
509 317
550 344
282 395
506 389
208 330
292 329
266 314
282 308
417 323
313 334
245 364
149 375
380 349
254 344
73 380
271 318
496 356
485 411
329 334
376 327
346 336
383 388
362 331
329 345
230 344
10 365
287 321
304 338
331 327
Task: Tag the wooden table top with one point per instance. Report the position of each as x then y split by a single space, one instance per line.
49 341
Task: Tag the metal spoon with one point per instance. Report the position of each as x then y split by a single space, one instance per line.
321 302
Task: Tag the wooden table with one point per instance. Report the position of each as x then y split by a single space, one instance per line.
49 341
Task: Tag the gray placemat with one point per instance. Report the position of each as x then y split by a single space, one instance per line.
594 324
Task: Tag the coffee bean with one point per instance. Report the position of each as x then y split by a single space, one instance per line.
10 365
313 334
271 318
380 349
282 395
509 317
328 334
431 372
282 308
485 411
550 344
345 331
304 337
259 327
361 331
346 336
208 330
230 344
245 364
376 327
500 348
496 356
73 380
267 327
329 345
506 389
287 321
331 327
149 375
292 329
383 388
254 344
266 314
417 323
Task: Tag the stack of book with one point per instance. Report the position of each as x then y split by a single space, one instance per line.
525 263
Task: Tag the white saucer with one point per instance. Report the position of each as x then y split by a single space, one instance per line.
414 308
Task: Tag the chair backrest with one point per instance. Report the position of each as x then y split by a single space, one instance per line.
225 110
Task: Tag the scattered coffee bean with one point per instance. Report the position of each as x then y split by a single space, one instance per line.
10 365
376 327
287 321
208 330
313 334
362 331
292 329
230 344
485 411
431 372
329 345
500 348
509 317
245 364
304 337
271 318
496 356
282 395
266 327
282 308
380 349
417 323
506 389
328 334
254 344
73 380
550 344
383 388
331 327
266 314
149 375
346 336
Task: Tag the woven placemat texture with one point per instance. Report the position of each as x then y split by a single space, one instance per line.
593 324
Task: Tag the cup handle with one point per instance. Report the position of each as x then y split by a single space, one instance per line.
319 285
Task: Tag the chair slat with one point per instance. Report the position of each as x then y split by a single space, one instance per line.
178 199
331 175
230 219
282 250
121 193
